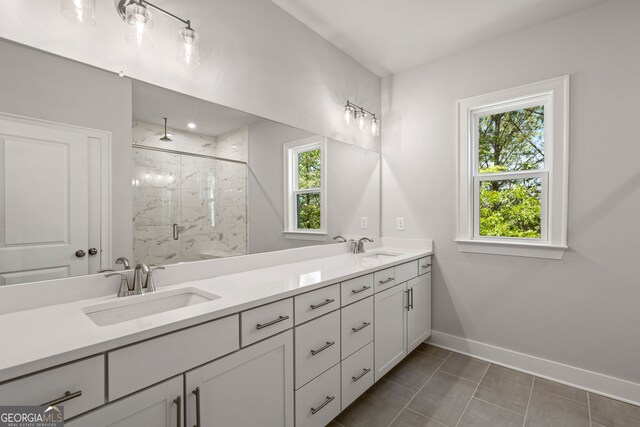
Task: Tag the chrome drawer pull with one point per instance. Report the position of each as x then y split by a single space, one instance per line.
411 295
67 396
362 289
197 394
382 282
273 322
359 328
364 372
426 266
325 403
323 348
322 304
178 401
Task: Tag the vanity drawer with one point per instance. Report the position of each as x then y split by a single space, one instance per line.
318 402
314 304
270 319
406 271
83 379
356 289
141 365
357 326
357 374
384 279
424 265
317 347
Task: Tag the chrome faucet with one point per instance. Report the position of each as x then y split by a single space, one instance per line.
360 246
137 278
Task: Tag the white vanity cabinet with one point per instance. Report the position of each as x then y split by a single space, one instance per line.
251 387
402 316
157 406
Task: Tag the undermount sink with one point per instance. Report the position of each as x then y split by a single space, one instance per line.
138 306
380 255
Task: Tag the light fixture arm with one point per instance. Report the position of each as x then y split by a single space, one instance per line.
359 108
121 6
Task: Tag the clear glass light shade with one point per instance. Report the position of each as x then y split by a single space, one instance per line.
140 23
80 11
375 127
348 114
190 51
361 120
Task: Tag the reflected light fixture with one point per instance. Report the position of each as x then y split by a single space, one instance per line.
165 138
137 14
353 111
191 125
80 11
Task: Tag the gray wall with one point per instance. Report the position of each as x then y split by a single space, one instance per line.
583 310
43 86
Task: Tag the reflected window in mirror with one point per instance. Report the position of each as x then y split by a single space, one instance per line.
305 188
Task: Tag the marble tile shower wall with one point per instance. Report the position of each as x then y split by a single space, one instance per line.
207 197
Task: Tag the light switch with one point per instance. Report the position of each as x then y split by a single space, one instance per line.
400 223
364 223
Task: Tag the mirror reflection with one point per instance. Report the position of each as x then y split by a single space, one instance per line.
206 181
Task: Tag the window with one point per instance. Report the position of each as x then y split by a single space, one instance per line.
305 191
513 171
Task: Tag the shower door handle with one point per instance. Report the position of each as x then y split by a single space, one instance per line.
177 229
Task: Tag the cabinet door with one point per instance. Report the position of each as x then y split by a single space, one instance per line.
158 406
252 387
419 315
390 328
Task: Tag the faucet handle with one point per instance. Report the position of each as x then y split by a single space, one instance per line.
124 283
149 286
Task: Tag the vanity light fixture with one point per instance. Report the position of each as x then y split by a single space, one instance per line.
360 115
165 138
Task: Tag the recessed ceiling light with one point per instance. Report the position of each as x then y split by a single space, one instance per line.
191 125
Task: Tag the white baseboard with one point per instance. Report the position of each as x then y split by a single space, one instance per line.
604 385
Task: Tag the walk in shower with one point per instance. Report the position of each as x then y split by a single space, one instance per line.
187 206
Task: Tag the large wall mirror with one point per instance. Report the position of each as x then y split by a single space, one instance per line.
91 171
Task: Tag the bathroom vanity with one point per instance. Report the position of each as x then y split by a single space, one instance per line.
289 344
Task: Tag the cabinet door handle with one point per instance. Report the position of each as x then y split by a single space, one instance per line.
359 328
323 348
388 279
178 402
273 322
197 393
362 289
325 403
364 372
426 266
408 306
322 304
411 294
67 396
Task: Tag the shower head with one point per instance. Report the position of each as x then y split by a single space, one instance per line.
165 138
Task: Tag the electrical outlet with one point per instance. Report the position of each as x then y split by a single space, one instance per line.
400 223
364 223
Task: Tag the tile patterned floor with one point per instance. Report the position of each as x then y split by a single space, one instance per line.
433 387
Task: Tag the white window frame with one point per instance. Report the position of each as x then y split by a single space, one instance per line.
553 94
291 151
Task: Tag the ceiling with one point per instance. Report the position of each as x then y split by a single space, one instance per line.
389 36
152 103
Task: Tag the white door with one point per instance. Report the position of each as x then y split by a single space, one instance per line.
46 172
419 315
389 328
158 406
252 387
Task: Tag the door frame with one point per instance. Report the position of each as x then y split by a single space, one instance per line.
105 175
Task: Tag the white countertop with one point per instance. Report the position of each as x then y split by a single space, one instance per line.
43 337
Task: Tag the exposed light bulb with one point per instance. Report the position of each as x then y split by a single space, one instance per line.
189 51
82 12
348 114
361 120
191 125
140 23
375 127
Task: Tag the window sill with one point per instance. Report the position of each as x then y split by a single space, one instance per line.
523 249
318 236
